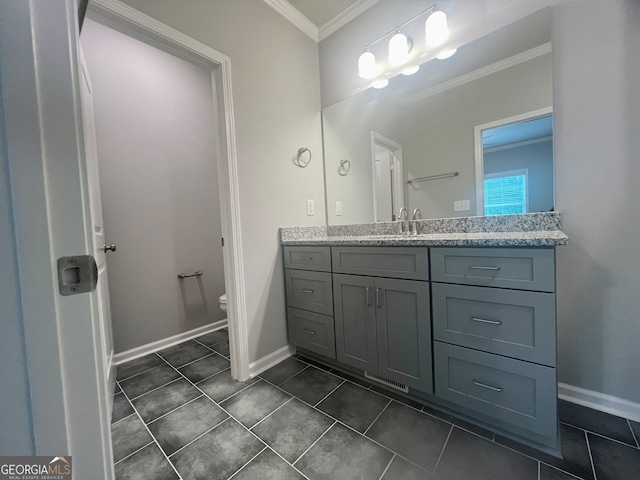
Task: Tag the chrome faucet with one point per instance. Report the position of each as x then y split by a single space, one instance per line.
403 216
417 215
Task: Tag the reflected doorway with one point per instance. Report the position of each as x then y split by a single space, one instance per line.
388 178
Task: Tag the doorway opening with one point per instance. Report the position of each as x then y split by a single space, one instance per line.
195 297
388 178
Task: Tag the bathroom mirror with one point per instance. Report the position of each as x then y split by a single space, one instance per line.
413 143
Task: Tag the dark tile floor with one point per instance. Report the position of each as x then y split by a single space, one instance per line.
179 414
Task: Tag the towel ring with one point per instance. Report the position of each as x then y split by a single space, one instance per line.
301 161
344 167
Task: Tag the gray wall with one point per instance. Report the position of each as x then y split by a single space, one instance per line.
596 99
276 97
15 411
159 180
537 158
596 116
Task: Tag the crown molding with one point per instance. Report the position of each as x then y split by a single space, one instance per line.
292 14
479 73
340 20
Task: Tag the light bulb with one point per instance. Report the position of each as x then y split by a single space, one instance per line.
436 29
444 54
383 82
411 70
367 66
398 49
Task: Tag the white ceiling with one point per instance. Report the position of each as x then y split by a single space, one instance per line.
321 11
525 131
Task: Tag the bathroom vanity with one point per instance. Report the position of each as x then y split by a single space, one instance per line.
462 320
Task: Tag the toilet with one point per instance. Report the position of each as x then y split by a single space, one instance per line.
223 302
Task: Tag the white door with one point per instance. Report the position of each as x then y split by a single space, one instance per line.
383 185
99 239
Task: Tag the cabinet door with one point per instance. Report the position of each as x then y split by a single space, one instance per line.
404 332
355 321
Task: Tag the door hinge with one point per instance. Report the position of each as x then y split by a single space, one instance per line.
222 241
77 274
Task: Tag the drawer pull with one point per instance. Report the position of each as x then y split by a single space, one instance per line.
378 298
489 387
306 258
310 332
482 320
306 290
478 267
369 301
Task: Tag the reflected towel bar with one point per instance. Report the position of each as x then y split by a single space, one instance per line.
433 177
195 274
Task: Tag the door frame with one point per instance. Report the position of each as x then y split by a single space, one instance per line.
479 148
398 171
120 16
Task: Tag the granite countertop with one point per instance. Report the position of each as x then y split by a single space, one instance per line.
477 239
527 230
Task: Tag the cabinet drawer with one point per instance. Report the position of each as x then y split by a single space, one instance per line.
508 322
516 393
308 258
312 331
395 262
309 291
521 269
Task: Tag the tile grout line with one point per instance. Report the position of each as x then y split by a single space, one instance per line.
633 433
603 436
203 357
123 418
133 453
389 465
377 417
260 421
139 373
311 446
174 409
250 460
356 431
286 379
155 440
446 442
238 422
211 376
131 399
593 467
199 436
323 398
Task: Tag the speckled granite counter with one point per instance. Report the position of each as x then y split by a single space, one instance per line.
528 230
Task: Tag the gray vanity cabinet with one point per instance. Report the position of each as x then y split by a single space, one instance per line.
383 326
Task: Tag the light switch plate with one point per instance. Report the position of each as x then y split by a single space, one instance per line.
338 208
461 206
311 210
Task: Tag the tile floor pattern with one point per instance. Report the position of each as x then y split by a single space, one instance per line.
179 414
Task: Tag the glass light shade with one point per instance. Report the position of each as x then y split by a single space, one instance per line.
444 54
411 70
380 83
398 49
436 29
367 66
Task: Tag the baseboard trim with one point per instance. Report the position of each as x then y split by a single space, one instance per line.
599 401
152 347
268 361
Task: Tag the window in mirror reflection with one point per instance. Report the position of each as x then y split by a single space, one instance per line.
505 193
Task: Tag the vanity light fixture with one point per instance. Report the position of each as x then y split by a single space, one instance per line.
367 66
400 47
436 28
410 70
383 82
444 54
